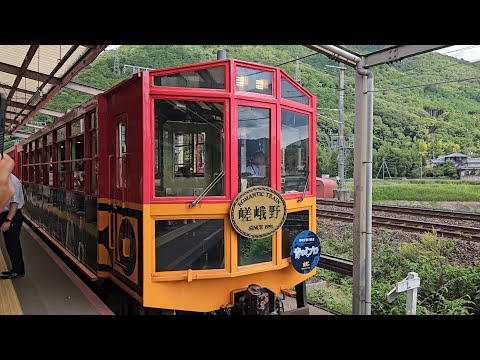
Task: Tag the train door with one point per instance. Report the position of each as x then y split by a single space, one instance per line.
122 237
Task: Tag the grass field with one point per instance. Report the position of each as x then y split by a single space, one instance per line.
413 191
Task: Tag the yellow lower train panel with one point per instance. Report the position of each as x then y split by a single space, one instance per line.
210 294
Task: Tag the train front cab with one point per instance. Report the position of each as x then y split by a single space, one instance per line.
178 130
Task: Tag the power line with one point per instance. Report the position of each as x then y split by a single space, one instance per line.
300 58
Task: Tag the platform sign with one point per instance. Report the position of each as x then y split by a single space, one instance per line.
305 252
258 212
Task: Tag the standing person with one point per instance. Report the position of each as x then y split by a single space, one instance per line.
11 220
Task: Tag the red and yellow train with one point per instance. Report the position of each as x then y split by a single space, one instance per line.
112 182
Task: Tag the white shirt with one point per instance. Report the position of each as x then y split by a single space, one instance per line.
18 195
253 169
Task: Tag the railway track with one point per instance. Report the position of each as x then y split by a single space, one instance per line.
408 210
450 231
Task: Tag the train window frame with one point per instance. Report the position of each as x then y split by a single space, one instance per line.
36 158
58 163
120 155
280 259
92 135
198 274
186 68
311 149
73 179
298 194
310 107
272 133
154 199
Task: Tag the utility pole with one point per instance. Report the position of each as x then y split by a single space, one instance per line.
342 193
421 168
116 64
382 168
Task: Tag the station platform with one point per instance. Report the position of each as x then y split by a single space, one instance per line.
49 286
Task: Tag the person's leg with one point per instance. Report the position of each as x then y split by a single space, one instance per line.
3 216
12 243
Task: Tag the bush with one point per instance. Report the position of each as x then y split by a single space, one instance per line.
444 288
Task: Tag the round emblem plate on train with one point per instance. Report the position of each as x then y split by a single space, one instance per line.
258 212
305 252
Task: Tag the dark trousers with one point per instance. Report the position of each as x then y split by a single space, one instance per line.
12 241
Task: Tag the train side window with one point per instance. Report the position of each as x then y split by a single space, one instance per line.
31 161
61 151
93 154
25 163
49 159
253 147
295 223
77 149
77 154
41 160
189 151
121 151
35 161
294 154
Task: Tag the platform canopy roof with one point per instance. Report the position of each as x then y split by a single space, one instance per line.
380 54
31 75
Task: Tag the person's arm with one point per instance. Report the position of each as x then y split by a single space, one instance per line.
11 213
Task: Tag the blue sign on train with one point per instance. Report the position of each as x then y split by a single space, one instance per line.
305 252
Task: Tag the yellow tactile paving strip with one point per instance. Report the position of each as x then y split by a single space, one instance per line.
9 304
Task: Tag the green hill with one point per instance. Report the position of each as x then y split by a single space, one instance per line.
410 124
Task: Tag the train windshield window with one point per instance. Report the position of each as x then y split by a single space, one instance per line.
295 223
253 147
254 80
212 78
254 251
290 92
294 155
189 244
189 149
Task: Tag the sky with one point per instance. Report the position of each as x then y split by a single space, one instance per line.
465 52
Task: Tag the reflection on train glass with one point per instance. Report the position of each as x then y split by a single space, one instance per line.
189 149
253 147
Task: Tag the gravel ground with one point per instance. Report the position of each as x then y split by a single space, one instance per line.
466 253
